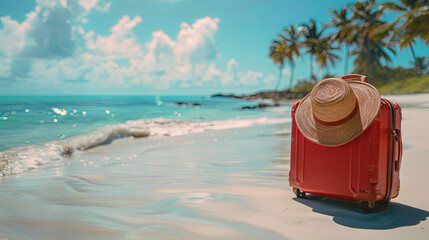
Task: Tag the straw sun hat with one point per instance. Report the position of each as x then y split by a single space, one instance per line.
336 111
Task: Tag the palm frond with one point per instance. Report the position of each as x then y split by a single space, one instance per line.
393 6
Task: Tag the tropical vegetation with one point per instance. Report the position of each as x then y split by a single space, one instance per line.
367 37
408 85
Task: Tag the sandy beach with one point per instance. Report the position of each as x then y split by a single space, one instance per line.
227 184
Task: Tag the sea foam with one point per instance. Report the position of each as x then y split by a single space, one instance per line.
21 159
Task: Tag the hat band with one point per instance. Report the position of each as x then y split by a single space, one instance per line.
341 121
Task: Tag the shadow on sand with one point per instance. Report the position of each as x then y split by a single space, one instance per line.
349 214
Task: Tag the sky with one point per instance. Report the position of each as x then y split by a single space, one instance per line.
154 47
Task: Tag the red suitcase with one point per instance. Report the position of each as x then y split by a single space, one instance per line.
366 168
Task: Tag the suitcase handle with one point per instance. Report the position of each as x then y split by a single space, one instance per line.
355 76
398 161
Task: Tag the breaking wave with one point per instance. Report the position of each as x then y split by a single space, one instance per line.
21 159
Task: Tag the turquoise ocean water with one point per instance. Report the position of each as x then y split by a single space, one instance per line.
37 129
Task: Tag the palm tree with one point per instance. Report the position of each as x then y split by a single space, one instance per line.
414 23
325 53
312 37
292 50
344 34
415 20
368 56
371 45
278 54
421 64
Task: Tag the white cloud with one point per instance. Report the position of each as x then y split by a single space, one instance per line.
285 73
270 80
52 30
231 72
212 73
55 72
187 58
4 67
88 5
196 43
124 25
251 78
50 34
184 69
13 34
160 52
121 43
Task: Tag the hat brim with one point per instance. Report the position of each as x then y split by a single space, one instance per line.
369 107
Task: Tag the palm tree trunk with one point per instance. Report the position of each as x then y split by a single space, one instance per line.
311 68
291 78
412 51
415 60
346 65
280 79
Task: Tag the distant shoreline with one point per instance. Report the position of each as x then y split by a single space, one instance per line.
277 97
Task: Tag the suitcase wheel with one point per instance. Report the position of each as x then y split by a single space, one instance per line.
299 193
370 207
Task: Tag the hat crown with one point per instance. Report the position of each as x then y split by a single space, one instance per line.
337 111
332 100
